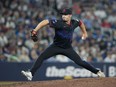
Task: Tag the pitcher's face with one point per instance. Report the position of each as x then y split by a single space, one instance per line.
66 17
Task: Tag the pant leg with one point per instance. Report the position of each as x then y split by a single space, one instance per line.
76 58
49 52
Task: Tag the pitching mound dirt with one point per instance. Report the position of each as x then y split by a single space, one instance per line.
84 82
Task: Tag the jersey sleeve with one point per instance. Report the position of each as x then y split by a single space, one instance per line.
53 23
78 22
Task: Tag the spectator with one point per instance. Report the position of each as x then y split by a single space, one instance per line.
2 57
34 53
24 57
105 24
110 58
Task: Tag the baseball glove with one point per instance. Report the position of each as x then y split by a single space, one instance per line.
34 35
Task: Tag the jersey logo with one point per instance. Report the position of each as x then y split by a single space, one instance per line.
64 35
54 21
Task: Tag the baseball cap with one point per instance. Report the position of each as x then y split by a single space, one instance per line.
66 11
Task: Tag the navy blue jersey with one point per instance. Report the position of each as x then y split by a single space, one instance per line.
63 32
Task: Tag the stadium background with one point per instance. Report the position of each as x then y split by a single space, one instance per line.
18 51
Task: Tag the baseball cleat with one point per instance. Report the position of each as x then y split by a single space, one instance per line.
27 74
100 74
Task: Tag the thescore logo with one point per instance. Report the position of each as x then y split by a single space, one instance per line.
53 71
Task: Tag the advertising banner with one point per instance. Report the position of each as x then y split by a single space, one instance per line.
53 71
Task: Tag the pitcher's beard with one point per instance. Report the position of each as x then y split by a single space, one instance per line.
64 20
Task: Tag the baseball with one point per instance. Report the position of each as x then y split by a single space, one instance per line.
83 38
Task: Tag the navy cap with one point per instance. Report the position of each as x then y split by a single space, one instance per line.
66 11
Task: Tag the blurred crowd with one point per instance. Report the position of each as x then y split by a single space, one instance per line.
18 17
